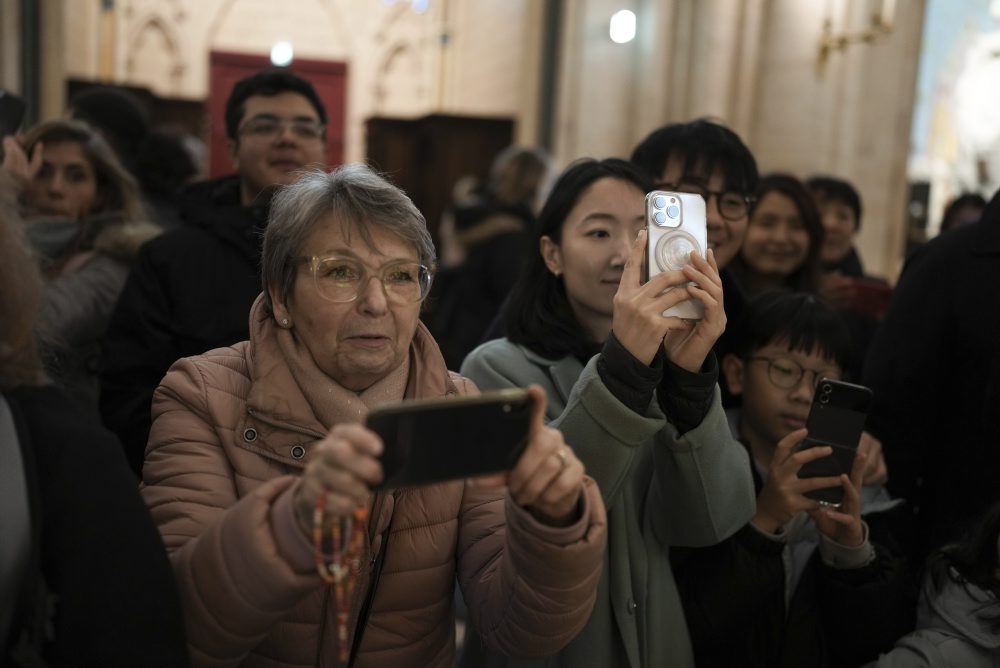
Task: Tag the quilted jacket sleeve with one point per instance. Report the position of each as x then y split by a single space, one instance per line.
234 584
530 588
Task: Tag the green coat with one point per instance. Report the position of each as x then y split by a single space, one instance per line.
660 489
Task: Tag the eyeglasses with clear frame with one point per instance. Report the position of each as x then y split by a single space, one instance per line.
341 279
271 127
732 205
786 373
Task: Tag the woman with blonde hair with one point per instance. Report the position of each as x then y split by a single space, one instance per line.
85 222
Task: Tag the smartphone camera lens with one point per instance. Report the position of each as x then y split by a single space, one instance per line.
659 201
660 218
673 211
506 408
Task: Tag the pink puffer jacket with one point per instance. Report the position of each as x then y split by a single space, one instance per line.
231 432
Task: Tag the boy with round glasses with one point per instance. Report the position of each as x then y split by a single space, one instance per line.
801 584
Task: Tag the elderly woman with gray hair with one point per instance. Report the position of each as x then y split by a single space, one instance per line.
258 451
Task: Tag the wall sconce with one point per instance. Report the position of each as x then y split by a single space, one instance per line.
880 26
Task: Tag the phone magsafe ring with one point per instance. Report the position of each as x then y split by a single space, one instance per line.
673 250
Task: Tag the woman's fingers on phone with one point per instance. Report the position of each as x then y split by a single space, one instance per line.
806 455
630 274
353 451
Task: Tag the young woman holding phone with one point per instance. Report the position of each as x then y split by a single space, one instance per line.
635 394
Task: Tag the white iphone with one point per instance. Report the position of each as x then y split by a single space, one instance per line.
675 225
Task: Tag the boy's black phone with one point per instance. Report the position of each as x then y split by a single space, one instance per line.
836 418
11 113
432 440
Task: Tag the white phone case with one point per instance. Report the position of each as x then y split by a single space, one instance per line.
675 224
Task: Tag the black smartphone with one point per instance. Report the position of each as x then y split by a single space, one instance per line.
11 113
432 440
836 418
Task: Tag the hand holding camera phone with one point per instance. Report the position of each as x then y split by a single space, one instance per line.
432 440
836 419
676 226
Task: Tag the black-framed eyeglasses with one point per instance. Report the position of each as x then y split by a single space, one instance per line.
732 205
786 373
271 127
341 279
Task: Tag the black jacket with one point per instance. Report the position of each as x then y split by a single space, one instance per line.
934 367
98 559
189 291
734 602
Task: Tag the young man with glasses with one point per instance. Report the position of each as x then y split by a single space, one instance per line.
190 290
709 159
801 584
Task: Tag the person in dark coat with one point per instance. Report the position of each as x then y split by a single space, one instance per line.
934 367
801 584
84 576
191 289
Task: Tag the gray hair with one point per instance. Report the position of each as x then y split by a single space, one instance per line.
357 196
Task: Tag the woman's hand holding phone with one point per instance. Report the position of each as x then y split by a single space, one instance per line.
344 466
638 321
548 476
688 348
783 494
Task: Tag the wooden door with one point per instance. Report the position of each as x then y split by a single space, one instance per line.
225 69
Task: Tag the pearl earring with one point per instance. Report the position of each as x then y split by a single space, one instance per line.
284 322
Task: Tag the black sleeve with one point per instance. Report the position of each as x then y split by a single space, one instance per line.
729 588
628 379
116 602
685 397
865 610
138 349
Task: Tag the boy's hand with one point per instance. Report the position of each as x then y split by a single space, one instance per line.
876 472
783 494
843 525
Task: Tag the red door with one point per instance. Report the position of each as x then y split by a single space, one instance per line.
225 69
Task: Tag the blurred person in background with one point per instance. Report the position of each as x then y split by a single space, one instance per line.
86 223
191 289
490 232
84 578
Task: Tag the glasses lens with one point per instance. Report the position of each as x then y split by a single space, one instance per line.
784 373
307 129
732 206
262 127
406 282
338 279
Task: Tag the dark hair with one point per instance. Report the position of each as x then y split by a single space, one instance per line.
268 83
963 201
165 164
806 277
802 320
704 146
828 188
974 558
538 314
122 120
